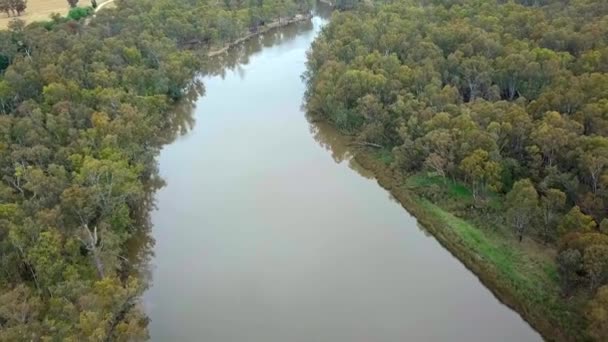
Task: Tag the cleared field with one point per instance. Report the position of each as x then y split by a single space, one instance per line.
42 10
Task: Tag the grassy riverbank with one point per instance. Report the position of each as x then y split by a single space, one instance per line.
521 275
490 115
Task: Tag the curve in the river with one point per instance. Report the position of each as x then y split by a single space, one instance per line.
265 232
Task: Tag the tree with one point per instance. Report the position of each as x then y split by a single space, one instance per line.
440 142
5 6
522 206
553 134
594 162
593 205
436 163
18 306
551 204
109 312
575 220
604 226
18 6
73 3
486 96
481 171
475 77
346 4
569 265
595 263
84 111
597 315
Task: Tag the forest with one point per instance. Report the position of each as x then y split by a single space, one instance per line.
495 113
85 106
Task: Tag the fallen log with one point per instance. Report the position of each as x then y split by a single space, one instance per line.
366 144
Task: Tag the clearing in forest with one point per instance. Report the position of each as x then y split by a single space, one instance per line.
38 10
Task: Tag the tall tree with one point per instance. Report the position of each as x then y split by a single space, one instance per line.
576 220
597 314
569 266
552 202
481 171
595 263
522 206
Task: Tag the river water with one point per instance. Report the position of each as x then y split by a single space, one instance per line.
267 231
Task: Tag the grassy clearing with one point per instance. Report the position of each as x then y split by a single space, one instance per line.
386 156
455 189
41 10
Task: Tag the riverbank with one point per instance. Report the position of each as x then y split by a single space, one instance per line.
266 28
517 279
103 285
295 260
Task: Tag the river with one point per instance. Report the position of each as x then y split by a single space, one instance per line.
267 231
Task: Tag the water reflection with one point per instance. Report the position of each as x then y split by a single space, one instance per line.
238 57
339 145
181 120
262 235
140 246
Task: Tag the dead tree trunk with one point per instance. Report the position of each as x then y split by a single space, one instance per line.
91 243
366 144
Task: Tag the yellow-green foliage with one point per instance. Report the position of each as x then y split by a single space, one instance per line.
84 109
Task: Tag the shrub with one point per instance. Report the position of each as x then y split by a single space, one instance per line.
80 12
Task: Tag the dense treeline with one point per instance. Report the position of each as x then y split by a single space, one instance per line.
84 108
507 97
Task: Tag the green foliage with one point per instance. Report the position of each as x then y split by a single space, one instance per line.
385 156
597 314
78 13
481 171
604 226
595 263
530 277
552 204
522 206
346 4
570 267
455 189
4 62
581 241
480 93
576 221
85 107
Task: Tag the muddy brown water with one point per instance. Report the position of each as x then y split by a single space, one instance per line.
268 231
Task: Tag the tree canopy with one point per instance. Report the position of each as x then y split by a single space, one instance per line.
507 97
84 108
